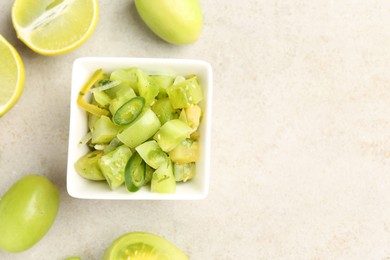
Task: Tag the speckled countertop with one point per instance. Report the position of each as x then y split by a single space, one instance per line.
300 163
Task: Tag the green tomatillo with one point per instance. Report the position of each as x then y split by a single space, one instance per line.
175 21
27 211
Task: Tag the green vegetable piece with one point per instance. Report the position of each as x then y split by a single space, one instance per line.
163 180
186 93
184 172
27 211
140 130
178 22
164 110
92 120
142 245
171 134
127 77
147 88
152 154
73 258
87 166
104 130
129 111
186 152
123 96
135 173
163 82
102 99
113 165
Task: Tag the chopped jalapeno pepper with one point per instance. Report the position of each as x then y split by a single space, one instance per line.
129 111
135 173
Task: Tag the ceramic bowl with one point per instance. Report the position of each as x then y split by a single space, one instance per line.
83 68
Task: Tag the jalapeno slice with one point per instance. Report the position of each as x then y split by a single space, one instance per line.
135 173
129 111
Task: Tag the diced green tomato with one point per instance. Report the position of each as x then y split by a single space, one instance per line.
129 111
164 110
163 180
102 98
140 130
186 152
148 174
127 77
126 92
87 166
171 134
124 95
92 120
184 172
104 130
152 154
113 165
185 94
163 82
146 88
193 115
135 173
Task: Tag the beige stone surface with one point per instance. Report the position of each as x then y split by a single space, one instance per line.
300 135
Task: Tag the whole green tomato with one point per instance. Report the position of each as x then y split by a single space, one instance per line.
175 21
27 211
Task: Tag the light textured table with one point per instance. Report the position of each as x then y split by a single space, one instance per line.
300 134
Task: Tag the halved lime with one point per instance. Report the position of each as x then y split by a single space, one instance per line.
53 27
12 76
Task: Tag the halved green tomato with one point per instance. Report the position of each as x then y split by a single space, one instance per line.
87 166
143 246
171 134
163 180
152 154
103 131
164 110
144 127
185 93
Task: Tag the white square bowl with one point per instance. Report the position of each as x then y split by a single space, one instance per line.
83 68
